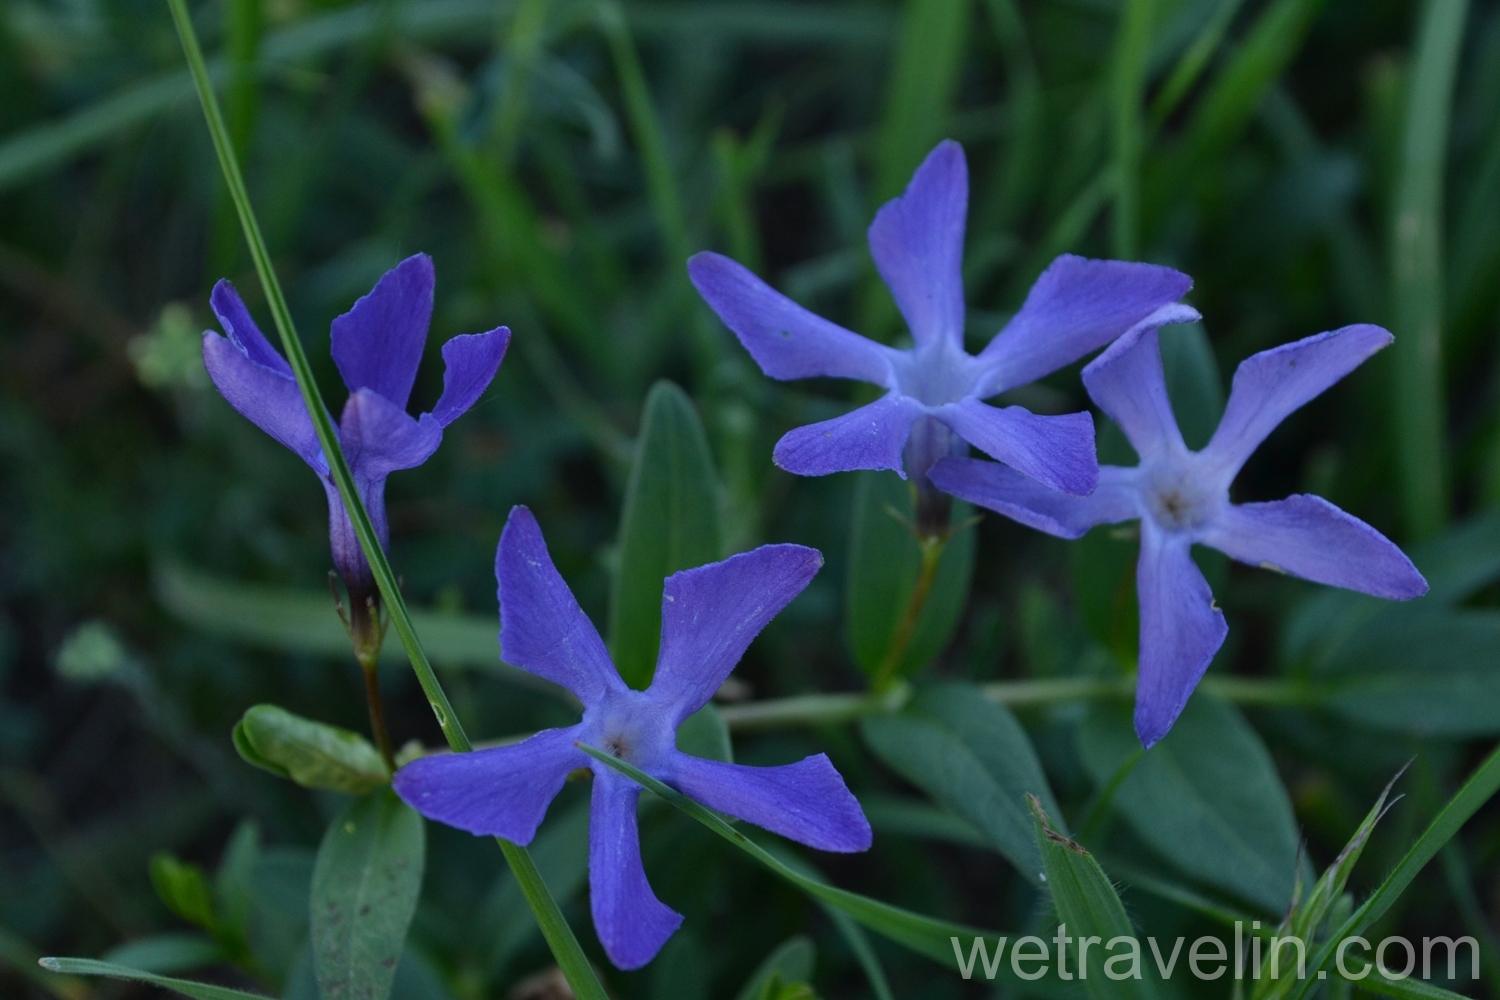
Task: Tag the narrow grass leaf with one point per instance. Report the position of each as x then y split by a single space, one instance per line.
92 967
1419 397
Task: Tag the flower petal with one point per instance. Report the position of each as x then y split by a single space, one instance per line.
710 615
870 437
786 340
379 437
917 241
1181 630
542 628
807 801
1309 537
470 362
1129 383
631 922
1021 498
242 331
1270 385
499 792
378 343
264 396
1057 452
1075 307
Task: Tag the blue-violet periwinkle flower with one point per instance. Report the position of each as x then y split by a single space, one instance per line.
935 389
377 346
1181 497
709 616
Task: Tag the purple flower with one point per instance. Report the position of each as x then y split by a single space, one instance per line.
709 616
934 389
377 346
1181 497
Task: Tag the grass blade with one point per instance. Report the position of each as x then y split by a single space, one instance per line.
1417 272
559 935
188 988
1127 87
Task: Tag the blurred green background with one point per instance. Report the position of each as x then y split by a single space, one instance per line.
1311 163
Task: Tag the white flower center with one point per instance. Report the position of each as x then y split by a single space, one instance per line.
631 726
1178 496
938 373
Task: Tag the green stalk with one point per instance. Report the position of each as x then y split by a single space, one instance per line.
1417 272
1127 97
555 929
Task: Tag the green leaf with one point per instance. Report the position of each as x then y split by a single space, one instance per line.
198 991
885 561
1419 397
1087 905
313 754
364 890
1308 915
1193 382
1207 798
304 621
670 522
234 890
1377 982
181 885
704 734
929 55
165 954
925 935
791 962
972 756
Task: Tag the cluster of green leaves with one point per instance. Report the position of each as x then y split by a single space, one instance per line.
1310 162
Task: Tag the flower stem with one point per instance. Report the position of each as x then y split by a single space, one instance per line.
829 709
932 553
559 936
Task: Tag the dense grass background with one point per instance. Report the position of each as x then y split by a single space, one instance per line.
1310 163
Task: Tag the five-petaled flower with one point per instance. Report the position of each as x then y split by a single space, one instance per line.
1182 497
377 346
709 616
935 389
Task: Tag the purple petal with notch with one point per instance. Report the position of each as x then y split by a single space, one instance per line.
1181 630
1130 385
242 331
807 801
870 437
1077 306
1309 537
542 628
470 362
917 241
786 340
267 398
1270 385
1005 491
1057 452
379 437
710 615
631 922
499 792
378 344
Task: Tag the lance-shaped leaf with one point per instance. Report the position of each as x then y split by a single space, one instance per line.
1207 798
1088 906
364 890
971 755
313 754
670 522
885 561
